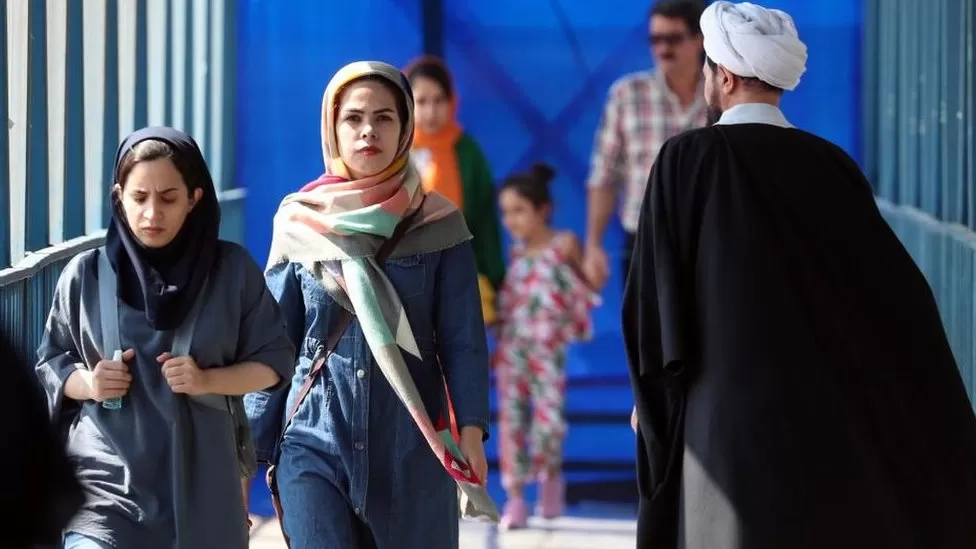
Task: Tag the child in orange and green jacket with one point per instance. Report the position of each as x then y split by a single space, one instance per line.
451 163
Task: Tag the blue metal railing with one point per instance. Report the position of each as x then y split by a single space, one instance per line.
920 105
946 253
919 114
77 76
74 78
4 143
26 291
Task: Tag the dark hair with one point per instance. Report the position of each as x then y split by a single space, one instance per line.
147 151
689 11
399 95
433 71
532 185
747 80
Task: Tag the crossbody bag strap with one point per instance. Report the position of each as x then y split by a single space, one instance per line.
108 305
183 336
345 317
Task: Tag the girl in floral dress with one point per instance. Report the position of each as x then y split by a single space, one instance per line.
543 306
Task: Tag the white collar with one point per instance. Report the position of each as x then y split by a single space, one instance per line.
755 113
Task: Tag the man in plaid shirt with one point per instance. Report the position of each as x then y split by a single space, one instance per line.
643 110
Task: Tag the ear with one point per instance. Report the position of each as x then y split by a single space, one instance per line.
117 191
726 80
546 211
195 198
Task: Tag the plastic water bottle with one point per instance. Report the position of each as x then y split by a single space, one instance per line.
116 402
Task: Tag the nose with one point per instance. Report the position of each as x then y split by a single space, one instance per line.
151 212
367 132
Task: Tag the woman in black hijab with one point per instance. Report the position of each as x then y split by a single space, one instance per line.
150 343
163 281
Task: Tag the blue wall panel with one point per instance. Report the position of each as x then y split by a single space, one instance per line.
919 145
286 55
918 105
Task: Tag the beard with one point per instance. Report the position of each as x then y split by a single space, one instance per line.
715 109
714 113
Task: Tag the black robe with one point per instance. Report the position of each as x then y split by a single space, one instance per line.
794 385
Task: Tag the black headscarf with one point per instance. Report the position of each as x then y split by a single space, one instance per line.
164 282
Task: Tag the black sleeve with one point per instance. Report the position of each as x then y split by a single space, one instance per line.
652 303
656 304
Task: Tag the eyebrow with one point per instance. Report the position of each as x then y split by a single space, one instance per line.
361 111
164 191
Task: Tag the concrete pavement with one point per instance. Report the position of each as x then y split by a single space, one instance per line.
562 533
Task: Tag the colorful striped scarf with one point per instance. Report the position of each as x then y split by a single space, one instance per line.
334 227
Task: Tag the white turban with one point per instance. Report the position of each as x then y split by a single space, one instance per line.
752 41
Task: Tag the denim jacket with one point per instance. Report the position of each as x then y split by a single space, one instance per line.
442 300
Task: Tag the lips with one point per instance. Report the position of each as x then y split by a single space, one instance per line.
370 151
152 230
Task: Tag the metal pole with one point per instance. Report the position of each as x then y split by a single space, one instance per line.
432 15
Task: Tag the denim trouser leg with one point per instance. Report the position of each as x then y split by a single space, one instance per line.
78 541
316 514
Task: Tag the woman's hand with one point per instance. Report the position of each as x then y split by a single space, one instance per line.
183 375
473 448
110 379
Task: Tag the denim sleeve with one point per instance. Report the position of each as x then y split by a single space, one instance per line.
460 335
286 288
266 409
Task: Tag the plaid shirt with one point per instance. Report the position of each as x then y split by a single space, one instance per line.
640 115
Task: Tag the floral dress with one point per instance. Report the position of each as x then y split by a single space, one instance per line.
544 305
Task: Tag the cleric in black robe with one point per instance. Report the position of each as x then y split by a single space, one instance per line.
793 382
